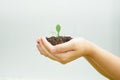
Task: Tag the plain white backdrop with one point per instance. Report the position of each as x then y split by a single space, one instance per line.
23 21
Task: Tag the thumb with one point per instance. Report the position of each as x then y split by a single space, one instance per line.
64 47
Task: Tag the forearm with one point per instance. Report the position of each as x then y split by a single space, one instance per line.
106 60
98 67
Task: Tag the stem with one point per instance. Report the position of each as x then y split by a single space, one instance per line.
58 34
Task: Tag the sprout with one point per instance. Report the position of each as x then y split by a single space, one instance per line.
58 28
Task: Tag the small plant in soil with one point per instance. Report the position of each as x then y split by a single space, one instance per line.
54 40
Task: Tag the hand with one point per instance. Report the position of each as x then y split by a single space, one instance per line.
64 52
103 61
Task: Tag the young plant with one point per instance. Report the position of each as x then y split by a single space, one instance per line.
58 28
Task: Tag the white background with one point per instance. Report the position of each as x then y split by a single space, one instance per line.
23 21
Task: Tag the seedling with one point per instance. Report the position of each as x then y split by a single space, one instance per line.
58 28
54 40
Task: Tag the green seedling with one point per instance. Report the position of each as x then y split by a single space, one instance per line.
58 28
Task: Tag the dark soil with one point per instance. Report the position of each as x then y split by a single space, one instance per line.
58 40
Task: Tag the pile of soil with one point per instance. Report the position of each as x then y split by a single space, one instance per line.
58 40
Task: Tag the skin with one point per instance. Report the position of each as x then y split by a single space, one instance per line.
103 61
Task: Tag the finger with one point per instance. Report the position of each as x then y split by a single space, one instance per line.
38 40
60 48
43 53
71 45
68 56
46 53
47 45
64 47
40 50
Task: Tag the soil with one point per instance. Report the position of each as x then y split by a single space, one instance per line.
58 40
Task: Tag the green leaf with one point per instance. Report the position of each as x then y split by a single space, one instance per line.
58 28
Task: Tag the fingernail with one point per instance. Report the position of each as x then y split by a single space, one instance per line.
38 42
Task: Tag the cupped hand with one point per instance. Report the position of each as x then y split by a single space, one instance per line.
64 52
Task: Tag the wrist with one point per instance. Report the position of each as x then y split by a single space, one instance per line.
90 48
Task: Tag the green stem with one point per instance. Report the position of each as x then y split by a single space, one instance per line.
58 34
